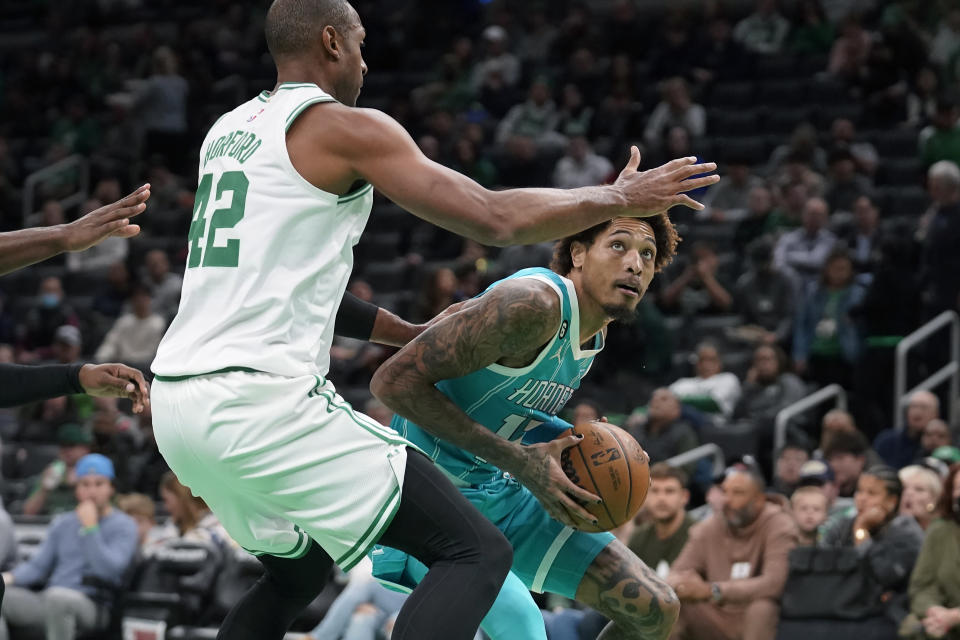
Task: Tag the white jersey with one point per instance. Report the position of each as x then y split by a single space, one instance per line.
270 254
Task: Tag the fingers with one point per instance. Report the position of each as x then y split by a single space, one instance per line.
696 183
129 205
687 170
576 510
686 200
126 231
569 441
634 162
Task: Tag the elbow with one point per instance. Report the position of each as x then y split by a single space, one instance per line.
500 227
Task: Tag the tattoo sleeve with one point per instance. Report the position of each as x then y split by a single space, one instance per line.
514 317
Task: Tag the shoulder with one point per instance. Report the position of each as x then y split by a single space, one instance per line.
63 520
941 529
526 299
347 128
779 520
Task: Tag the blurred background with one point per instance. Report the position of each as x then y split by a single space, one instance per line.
810 318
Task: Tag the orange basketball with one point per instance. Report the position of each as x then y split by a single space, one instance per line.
609 463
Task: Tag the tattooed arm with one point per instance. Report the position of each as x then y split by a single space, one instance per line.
514 319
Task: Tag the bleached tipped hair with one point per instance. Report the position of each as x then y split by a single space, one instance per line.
947 171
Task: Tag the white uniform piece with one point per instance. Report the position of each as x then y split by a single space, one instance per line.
241 410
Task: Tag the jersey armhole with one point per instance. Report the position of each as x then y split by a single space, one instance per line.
509 371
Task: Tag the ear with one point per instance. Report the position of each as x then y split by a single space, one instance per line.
331 42
686 497
578 254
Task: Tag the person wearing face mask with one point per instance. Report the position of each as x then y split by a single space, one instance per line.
733 569
935 583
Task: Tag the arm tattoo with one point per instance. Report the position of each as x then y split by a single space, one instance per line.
627 591
514 318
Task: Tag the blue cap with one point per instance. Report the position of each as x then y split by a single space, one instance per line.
95 464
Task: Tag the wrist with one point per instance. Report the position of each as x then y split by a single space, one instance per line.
60 238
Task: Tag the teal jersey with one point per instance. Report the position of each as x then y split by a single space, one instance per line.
514 403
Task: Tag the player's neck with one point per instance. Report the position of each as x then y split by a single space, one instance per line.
592 316
297 71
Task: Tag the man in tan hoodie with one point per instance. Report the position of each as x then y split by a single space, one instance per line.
732 570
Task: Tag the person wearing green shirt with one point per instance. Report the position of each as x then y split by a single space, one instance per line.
659 541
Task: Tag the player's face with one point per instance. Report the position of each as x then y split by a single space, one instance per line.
354 68
666 499
618 266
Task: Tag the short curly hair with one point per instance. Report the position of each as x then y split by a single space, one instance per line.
664 232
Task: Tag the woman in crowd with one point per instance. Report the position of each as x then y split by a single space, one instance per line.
935 583
921 493
887 541
190 519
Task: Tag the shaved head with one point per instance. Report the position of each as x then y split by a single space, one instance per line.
292 26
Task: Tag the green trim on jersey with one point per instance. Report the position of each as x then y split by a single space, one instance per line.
386 434
296 85
372 534
264 96
208 373
362 191
300 108
299 550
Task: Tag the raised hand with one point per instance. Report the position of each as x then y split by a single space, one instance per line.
109 220
653 191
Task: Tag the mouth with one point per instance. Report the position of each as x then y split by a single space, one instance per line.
628 290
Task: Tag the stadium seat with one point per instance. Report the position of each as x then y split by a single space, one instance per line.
29 458
906 201
895 142
788 93
778 66
900 172
733 94
729 122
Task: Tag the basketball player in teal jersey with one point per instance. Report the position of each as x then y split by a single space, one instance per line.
509 360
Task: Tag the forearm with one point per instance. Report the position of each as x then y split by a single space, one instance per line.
408 393
392 330
20 384
721 298
19 249
34 504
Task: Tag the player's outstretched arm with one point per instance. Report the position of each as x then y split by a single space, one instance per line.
369 144
512 319
20 384
19 249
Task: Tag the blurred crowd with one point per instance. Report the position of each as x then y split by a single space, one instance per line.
833 235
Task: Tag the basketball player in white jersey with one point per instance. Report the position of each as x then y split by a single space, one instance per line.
242 411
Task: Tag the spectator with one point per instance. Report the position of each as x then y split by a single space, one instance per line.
801 253
712 389
586 411
887 542
67 344
812 32
55 489
161 101
580 166
659 540
786 474
846 453
94 540
467 161
98 257
898 448
851 50
109 302
675 109
843 134
760 218
809 506
533 122
946 41
439 291
723 57
935 435
764 296
732 570
922 99
190 518
844 184
921 494
940 140
143 511
801 159
135 335
698 288
8 542
816 473
115 435
661 430
497 58
863 238
732 199
826 341
935 582
147 466
768 388
764 31
163 285
576 116
939 260
50 313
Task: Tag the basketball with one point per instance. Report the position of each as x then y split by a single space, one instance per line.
609 463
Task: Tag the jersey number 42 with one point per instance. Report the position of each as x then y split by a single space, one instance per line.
227 255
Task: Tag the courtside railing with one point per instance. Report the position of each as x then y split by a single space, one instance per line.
830 392
61 169
709 450
950 371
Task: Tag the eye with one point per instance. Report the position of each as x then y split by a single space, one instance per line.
616 244
647 254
